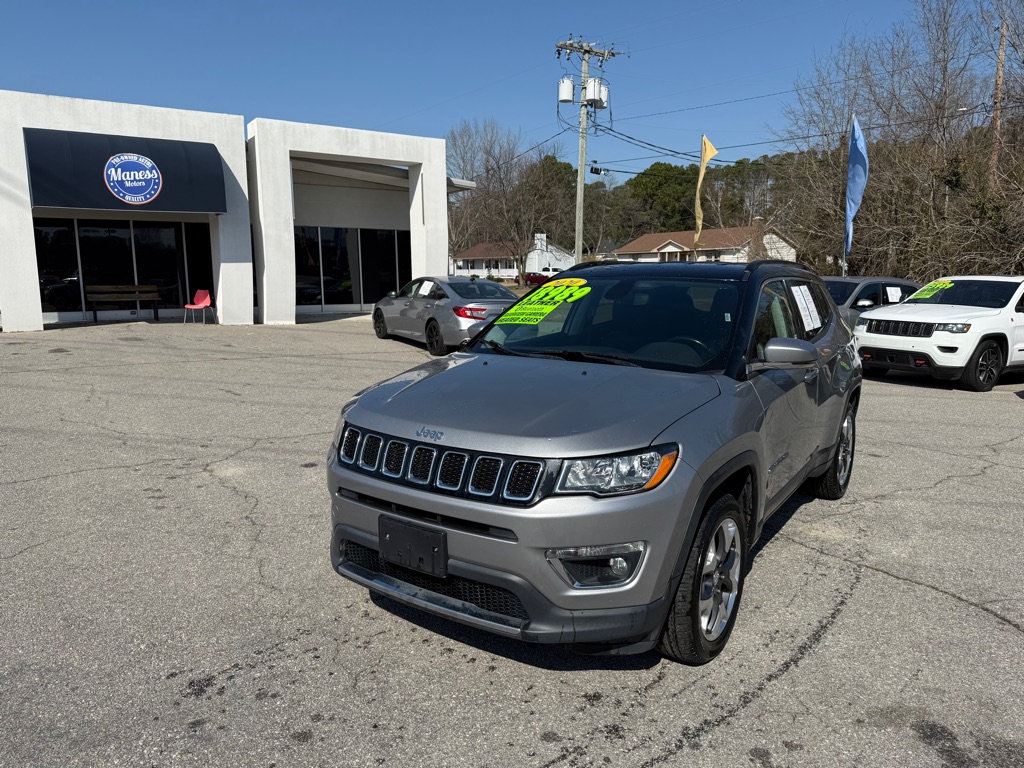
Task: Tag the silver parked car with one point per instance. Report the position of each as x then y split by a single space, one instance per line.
440 310
853 295
594 468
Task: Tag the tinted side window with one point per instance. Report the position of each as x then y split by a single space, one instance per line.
409 290
774 317
872 292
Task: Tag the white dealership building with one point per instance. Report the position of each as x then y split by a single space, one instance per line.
274 218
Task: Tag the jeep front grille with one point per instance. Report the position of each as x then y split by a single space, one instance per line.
422 463
522 479
485 476
900 328
371 452
453 466
394 458
496 478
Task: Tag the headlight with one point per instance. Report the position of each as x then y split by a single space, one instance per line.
638 471
861 322
953 327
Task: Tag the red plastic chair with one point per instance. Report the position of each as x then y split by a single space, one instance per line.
201 301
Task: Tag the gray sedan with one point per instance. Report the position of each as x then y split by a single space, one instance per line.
440 310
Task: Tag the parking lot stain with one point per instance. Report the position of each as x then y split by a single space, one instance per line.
59 350
197 687
302 737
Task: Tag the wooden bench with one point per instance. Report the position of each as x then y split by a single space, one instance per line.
120 293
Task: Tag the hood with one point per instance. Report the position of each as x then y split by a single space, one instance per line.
929 313
530 406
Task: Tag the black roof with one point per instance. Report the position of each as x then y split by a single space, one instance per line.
702 270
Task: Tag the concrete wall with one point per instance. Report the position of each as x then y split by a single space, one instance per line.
20 304
278 203
335 206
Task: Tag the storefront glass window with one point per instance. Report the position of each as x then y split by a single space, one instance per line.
106 248
307 266
339 247
200 260
57 260
379 265
159 260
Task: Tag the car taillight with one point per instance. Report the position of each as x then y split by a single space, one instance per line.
470 313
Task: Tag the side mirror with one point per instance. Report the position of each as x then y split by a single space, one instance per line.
780 354
864 304
392 294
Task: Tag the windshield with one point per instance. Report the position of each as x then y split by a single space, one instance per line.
482 289
993 294
840 290
666 323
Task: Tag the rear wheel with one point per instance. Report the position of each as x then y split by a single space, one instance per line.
435 341
984 367
707 600
835 481
380 327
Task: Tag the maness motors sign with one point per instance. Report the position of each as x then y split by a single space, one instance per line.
135 179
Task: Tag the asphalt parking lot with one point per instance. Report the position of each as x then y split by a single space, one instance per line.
167 596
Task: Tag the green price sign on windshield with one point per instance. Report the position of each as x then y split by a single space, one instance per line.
539 304
931 289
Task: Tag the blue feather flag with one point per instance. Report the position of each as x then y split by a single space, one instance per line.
856 178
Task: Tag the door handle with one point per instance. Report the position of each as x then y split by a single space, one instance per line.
811 375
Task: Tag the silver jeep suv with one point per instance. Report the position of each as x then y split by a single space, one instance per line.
594 466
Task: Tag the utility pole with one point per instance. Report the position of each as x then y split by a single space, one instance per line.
997 111
586 50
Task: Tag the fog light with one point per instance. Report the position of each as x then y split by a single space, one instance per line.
619 567
611 565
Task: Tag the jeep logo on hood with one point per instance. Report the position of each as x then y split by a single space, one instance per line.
429 434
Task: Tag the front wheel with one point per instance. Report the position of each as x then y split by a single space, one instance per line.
835 481
380 327
707 600
435 341
984 367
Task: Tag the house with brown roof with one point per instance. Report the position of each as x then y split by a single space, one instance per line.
730 244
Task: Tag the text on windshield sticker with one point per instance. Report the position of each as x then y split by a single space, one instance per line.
539 304
931 289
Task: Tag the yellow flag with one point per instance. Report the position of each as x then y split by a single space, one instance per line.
707 151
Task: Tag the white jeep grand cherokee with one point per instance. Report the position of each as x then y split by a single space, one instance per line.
969 328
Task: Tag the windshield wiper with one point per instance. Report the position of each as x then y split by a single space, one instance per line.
598 357
503 350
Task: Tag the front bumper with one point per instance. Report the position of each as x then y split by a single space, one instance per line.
942 355
496 602
498 578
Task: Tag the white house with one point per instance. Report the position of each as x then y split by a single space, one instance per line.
731 245
495 259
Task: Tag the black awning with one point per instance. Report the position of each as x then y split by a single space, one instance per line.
123 173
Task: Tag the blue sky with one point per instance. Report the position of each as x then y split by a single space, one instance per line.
420 68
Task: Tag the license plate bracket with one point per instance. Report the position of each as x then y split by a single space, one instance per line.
411 546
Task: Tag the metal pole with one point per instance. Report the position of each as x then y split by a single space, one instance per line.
582 160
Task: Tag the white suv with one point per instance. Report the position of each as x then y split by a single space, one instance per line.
968 327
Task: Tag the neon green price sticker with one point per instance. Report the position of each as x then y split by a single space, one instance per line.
543 301
932 288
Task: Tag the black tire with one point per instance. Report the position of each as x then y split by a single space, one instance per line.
835 481
705 605
984 367
380 326
874 371
435 341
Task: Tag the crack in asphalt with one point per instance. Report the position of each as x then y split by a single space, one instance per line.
980 605
691 734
